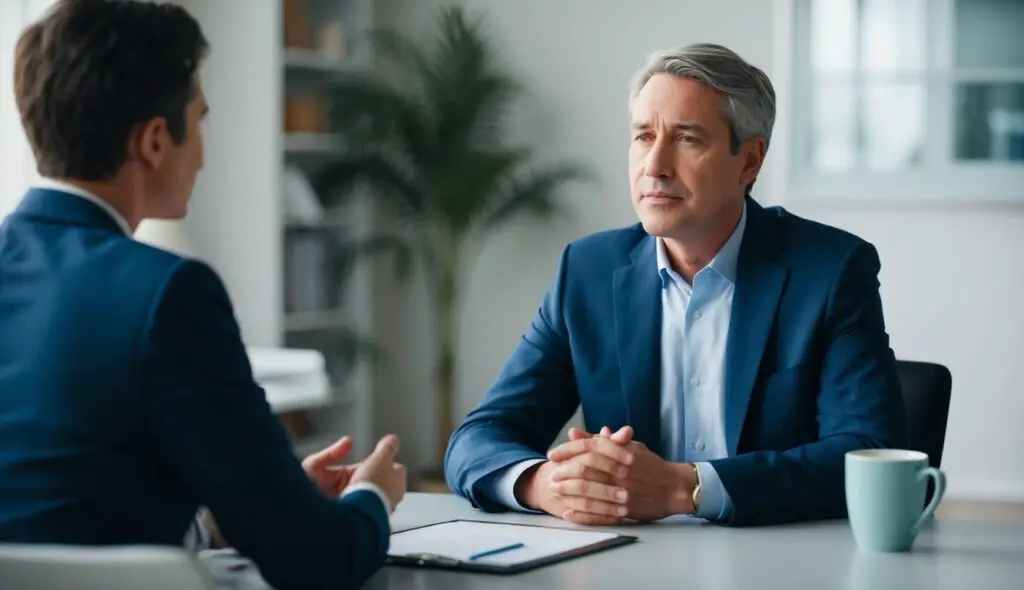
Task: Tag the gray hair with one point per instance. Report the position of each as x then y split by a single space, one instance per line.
749 105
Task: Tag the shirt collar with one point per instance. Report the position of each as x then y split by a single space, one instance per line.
49 183
724 262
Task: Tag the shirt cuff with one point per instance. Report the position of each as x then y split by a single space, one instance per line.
369 487
715 503
502 486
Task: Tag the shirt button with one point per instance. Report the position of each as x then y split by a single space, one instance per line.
695 382
697 315
700 446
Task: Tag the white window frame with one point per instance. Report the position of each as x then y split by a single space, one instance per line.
955 182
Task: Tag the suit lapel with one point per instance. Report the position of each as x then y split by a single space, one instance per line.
759 285
637 300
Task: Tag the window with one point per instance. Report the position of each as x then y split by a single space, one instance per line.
908 98
17 167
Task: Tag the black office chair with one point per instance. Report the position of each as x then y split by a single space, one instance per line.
927 388
926 391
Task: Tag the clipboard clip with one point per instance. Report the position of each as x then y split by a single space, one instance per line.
424 558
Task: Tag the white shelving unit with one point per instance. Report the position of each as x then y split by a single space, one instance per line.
322 39
239 216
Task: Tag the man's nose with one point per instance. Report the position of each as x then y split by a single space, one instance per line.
658 163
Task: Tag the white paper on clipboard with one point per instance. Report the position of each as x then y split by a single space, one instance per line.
459 540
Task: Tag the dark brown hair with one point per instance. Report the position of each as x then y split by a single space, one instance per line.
90 71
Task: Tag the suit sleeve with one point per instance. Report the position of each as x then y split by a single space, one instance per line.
521 414
860 405
212 422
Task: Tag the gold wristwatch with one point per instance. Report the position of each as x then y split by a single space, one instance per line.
695 494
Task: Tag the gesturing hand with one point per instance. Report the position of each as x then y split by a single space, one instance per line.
322 467
654 488
381 470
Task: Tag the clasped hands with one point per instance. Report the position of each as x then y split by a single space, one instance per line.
605 478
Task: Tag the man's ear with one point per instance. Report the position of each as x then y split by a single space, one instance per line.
148 143
753 152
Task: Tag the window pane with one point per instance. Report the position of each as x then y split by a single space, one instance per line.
894 125
833 25
885 131
832 145
990 122
892 36
989 33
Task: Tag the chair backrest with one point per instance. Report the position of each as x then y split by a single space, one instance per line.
927 388
42 567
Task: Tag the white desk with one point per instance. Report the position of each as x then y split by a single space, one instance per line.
949 554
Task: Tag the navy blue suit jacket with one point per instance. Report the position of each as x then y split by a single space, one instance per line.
127 401
809 371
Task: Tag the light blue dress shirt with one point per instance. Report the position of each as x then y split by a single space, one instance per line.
694 335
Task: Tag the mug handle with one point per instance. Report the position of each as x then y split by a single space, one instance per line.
940 488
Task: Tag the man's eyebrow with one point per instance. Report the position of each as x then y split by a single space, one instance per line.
687 126
682 126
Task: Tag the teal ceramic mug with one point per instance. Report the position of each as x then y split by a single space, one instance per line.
885 493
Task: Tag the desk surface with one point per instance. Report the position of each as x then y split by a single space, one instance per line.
692 554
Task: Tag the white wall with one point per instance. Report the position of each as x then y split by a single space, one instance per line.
234 214
17 166
952 279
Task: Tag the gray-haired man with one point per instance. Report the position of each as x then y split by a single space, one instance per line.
730 354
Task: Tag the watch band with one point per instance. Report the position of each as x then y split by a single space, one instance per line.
695 494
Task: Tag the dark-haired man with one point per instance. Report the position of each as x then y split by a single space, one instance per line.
126 396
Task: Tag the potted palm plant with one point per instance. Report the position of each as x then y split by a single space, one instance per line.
430 147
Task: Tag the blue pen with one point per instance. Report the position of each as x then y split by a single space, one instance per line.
490 552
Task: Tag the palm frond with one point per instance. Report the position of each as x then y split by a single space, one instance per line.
535 193
408 56
461 87
462 187
367 111
466 84
385 180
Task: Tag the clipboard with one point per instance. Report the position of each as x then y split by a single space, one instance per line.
541 546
